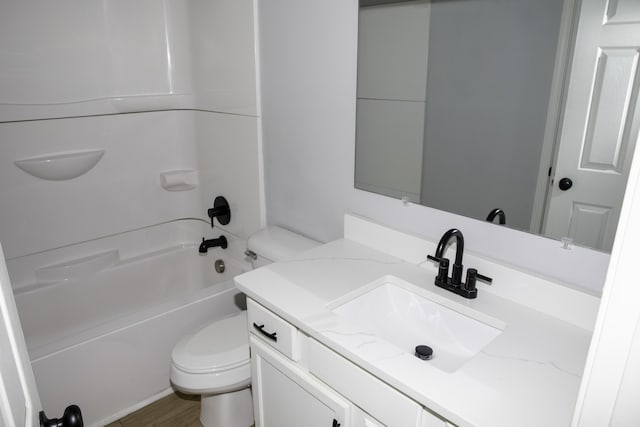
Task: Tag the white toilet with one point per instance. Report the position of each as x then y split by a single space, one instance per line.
214 361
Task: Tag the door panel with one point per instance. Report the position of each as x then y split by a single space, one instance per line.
606 142
623 11
590 223
300 407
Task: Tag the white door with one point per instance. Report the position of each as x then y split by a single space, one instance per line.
19 400
600 125
286 396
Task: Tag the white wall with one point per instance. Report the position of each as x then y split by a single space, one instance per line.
308 78
308 75
104 57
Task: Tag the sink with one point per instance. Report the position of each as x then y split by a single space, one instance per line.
401 314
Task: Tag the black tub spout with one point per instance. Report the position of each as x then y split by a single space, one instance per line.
212 243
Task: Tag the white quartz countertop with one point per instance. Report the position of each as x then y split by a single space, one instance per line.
528 376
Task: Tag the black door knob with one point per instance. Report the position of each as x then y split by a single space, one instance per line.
565 184
72 418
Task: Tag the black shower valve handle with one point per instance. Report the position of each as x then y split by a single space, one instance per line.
212 212
220 210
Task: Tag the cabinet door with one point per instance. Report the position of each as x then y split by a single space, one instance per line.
286 396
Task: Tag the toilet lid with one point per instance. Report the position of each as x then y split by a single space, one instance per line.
221 345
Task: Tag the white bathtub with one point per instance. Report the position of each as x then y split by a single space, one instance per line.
105 342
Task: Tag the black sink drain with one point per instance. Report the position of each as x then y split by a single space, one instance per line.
424 352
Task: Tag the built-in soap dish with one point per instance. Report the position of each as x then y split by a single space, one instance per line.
77 268
61 166
179 180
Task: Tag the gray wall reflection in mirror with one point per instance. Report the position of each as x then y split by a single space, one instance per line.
453 101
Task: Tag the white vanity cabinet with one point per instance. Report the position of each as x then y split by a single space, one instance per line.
313 387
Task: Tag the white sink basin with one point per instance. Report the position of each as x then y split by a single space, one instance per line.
397 314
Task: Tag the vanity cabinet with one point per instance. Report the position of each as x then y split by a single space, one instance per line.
297 381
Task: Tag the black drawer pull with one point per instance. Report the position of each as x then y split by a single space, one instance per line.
335 423
271 336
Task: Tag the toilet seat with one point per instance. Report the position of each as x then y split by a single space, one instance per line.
215 359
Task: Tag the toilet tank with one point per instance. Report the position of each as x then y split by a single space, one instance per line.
274 244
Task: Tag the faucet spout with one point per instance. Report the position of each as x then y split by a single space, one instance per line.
497 212
444 241
211 243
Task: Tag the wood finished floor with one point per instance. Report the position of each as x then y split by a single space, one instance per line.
175 410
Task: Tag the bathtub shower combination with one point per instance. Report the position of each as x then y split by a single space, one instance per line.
120 124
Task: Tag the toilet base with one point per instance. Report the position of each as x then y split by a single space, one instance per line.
234 409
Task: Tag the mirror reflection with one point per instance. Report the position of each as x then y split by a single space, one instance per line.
459 106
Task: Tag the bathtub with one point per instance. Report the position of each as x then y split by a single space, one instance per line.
104 342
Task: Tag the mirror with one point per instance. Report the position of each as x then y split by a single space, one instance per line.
458 109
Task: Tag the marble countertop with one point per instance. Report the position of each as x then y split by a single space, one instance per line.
528 376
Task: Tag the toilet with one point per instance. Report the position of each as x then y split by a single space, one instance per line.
214 361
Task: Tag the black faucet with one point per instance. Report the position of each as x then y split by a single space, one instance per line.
454 283
497 212
212 243
456 271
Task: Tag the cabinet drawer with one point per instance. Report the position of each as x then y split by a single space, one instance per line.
273 330
388 405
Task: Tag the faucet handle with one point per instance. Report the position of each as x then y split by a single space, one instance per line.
484 278
443 268
434 258
472 277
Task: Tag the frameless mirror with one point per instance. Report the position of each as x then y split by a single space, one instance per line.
477 107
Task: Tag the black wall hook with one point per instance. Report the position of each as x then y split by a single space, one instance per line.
220 210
